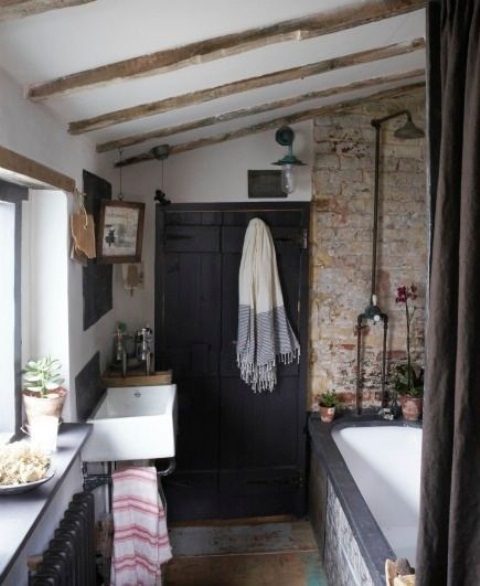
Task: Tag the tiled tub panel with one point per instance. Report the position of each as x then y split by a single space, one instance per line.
343 561
352 546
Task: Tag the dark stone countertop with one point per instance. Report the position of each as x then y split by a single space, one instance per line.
21 513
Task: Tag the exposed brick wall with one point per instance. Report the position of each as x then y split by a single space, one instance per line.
341 244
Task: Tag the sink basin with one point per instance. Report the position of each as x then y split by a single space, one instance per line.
133 423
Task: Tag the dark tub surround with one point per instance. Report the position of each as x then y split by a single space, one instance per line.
352 546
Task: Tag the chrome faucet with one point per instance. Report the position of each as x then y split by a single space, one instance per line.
119 350
144 344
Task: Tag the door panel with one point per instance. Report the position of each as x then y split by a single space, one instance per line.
198 423
189 495
193 291
238 453
258 430
191 238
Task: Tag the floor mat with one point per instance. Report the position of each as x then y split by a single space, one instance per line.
251 538
267 554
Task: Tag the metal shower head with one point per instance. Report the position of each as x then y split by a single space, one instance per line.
409 130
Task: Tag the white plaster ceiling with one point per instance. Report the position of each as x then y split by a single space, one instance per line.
42 47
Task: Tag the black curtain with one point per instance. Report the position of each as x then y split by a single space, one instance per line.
449 534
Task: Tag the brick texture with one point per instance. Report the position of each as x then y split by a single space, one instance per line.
341 245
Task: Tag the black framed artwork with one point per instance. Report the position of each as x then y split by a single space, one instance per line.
120 232
265 184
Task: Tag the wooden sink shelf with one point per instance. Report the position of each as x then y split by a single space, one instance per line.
136 379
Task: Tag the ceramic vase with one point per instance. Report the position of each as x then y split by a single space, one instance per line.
51 404
412 407
327 414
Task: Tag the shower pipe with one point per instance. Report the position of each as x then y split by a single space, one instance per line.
377 123
372 311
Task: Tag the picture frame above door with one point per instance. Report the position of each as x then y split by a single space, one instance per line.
265 184
120 232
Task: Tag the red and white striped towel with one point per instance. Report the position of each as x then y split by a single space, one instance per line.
140 539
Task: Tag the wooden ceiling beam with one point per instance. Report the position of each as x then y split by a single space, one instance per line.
206 95
254 110
203 51
14 9
277 122
43 177
297 117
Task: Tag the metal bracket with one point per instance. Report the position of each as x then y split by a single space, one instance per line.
92 481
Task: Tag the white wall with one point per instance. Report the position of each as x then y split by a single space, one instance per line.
217 173
212 174
54 307
45 281
31 130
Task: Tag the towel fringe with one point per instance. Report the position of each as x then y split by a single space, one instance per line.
260 377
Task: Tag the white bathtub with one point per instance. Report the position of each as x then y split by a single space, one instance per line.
385 465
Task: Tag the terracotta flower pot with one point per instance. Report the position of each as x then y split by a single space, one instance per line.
51 404
327 414
412 407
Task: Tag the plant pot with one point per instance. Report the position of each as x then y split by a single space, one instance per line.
327 414
412 407
50 404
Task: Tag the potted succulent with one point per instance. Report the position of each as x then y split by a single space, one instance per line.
43 393
328 402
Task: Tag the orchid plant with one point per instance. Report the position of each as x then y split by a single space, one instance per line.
408 378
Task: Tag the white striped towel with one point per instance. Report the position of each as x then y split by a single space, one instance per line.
140 538
264 333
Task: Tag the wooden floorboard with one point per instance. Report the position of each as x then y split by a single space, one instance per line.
239 521
272 553
280 569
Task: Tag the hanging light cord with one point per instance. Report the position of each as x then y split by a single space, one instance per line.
120 191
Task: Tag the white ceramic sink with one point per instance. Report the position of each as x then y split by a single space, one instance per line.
133 423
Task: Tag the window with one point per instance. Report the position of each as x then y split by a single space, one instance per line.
11 197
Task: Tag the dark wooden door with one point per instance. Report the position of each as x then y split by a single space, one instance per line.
238 453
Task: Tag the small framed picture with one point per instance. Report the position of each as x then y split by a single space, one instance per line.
120 232
265 184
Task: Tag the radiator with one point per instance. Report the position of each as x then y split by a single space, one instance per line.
69 559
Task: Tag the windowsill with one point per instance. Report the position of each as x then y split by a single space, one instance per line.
6 437
20 514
